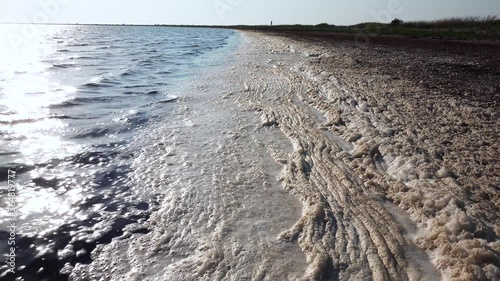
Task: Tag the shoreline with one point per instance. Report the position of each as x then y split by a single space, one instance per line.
351 33
367 162
221 205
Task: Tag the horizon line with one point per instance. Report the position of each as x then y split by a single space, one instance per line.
163 24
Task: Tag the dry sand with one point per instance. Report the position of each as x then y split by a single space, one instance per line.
323 160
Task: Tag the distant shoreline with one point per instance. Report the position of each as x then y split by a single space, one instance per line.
115 24
461 29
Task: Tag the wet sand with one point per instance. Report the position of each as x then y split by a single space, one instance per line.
313 158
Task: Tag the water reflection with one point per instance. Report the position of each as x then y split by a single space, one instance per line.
29 133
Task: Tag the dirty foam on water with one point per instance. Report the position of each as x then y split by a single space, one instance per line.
222 205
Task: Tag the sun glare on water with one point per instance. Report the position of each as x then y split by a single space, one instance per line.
27 90
28 130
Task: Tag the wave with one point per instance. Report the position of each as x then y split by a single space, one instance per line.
80 101
96 85
78 45
136 86
4 110
133 93
134 122
62 65
82 58
127 73
169 100
164 72
146 62
158 58
92 157
66 117
125 125
136 93
11 137
103 83
110 144
64 104
9 153
20 121
106 47
91 133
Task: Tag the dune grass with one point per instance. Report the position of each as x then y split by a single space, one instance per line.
466 28
467 22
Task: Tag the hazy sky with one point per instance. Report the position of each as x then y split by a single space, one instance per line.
222 12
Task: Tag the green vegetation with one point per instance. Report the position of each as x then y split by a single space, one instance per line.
470 28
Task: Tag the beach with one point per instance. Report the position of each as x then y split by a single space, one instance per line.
311 157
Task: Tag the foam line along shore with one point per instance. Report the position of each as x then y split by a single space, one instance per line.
315 161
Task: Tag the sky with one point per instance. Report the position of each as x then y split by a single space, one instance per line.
230 12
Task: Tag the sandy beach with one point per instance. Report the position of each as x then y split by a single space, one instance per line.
315 158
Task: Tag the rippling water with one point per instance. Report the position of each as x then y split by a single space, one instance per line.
74 111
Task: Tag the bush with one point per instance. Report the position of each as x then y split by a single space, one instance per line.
396 21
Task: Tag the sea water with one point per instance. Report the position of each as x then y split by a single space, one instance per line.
77 105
